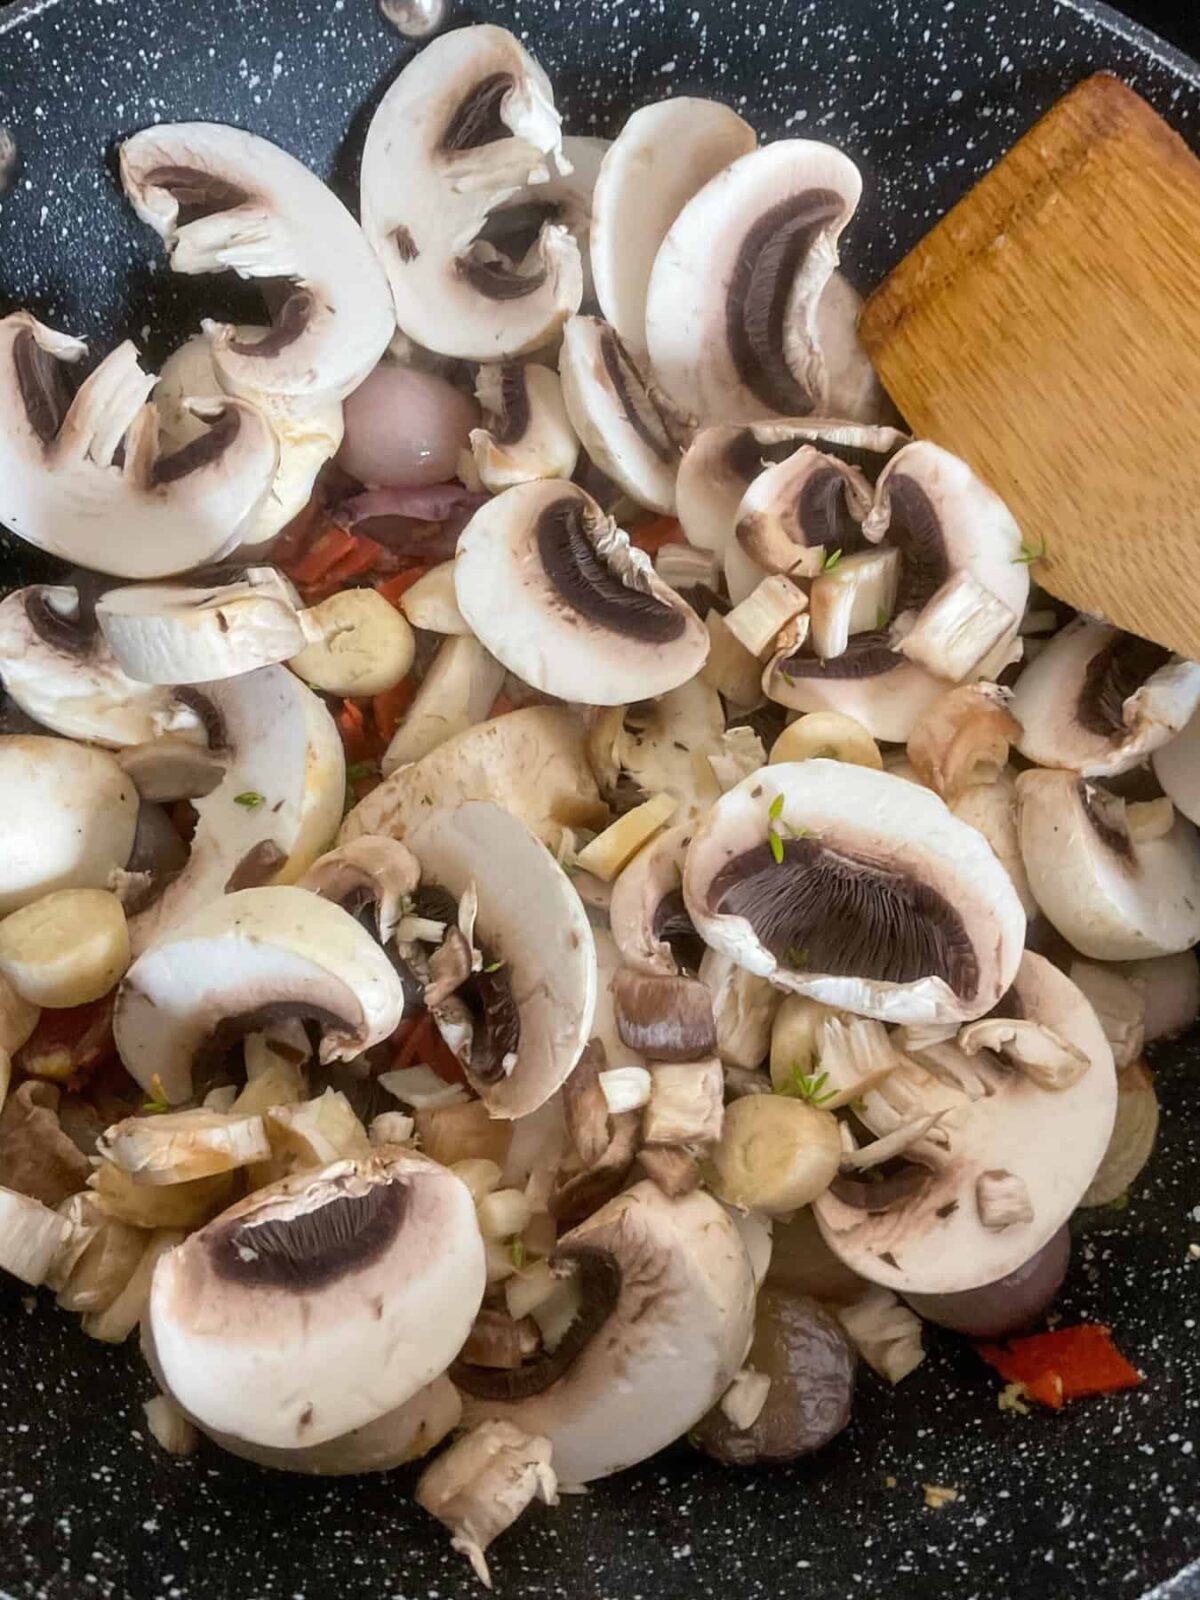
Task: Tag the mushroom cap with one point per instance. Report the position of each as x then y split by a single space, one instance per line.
556 592
530 918
224 200
532 762
731 313
320 1303
277 806
679 1292
662 156
251 957
60 486
857 888
70 814
626 426
1177 768
1113 897
999 1123
63 675
1099 701
308 433
175 634
468 124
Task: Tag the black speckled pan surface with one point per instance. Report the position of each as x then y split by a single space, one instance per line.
1099 1502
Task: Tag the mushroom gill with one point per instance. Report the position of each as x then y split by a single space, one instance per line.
581 568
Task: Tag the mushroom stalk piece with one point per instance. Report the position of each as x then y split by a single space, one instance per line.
666 1319
155 514
468 122
856 888
1005 1165
557 593
1112 897
368 1275
1098 701
223 200
732 310
254 957
60 671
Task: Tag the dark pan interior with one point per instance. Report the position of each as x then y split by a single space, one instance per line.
1098 1501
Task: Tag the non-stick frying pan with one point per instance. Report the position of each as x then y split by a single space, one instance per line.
1099 1501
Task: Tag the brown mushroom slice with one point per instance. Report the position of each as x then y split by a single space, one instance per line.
531 1016
731 313
555 591
664 1018
247 959
533 762
858 889
367 871
223 200
605 1144
468 122
36 1157
368 1275
60 487
1099 701
666 1319
1003 1168
1111 896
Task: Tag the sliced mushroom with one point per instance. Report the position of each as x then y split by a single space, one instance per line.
277 805
368 1274
1001 1169
664 154
604 1142
527 433
666 1319
563 199
963 742
664 1018
661 746
732 309
69 821
167 769
470 120
744 1007
456 693
58 669
36 1157
1177 768
367 871
252 957
308 433
858 889
533 762
1099 701
556 592
629 430
1170 987
991 808
649 920
796 513
223 200
155 514
530 1017
171 634
1112 897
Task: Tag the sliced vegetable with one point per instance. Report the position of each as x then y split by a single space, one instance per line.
1065 1364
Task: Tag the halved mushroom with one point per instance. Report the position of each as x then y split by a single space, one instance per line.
666 1318
533 762
60 486
664 154
223 200
367 871
556 592
628 428
57 667
70 816
732 310
527 433
308 433
278 804
527 1019
252 957
858 889
1099 701
1001 1169
368 1275
1111 896
470 120
171 634
945 522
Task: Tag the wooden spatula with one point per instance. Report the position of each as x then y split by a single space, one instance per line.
1048 331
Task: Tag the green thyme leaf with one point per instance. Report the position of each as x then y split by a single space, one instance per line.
881 617
810 1087
518 1253
776 810
155 1107
493 966
361 770
831 561
249 799
776 844
1030 553
796 956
